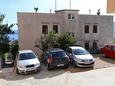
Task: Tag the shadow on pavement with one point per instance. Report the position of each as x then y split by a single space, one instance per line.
8 74
107 59
78 69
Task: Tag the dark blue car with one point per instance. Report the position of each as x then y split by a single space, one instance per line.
55 58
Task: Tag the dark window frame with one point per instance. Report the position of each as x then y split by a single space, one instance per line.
71 16
95 28
86 45
86 29
44 29
95 46
55 29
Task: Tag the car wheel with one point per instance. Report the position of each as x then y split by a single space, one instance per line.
38 69
17 71
66 66
92 67
48 67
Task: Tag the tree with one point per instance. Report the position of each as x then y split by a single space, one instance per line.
14 49
66 40
51 40
5 30
48 41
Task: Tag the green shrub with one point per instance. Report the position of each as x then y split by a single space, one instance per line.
66 40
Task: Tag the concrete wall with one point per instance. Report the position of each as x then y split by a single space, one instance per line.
105 29
30 28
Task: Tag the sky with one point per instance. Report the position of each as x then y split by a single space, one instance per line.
11 7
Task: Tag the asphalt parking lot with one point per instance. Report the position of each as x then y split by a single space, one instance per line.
7 74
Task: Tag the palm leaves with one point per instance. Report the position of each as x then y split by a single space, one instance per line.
5 30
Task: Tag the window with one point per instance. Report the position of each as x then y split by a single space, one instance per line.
58 54
44 29
71 16
80 52
86 28
25 56
113 48
55 28
87 45
94 28
94 45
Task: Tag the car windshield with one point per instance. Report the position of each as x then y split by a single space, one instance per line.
113 48
25 56
80 52
58 54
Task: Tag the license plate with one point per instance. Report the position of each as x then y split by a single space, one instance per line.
30 69
60 65
88 63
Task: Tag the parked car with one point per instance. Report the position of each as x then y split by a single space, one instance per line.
27 61
108 51
55 58
80 57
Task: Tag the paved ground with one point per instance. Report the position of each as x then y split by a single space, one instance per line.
72 76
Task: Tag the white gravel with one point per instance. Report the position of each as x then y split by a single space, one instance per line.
99 77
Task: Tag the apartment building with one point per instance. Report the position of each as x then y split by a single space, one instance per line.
91 31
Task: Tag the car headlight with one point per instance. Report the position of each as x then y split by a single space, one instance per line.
21 66
77 59
93 59
37 65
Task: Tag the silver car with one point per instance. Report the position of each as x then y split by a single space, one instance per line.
80 57
27 62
